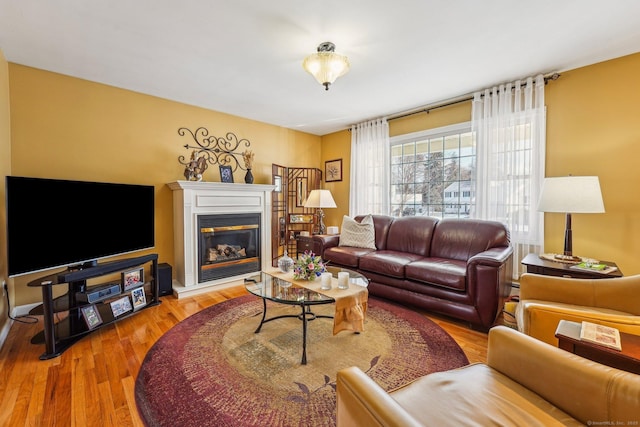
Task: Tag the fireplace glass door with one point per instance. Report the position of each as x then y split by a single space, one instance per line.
229 245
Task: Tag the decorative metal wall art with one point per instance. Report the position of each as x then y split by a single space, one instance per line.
211 150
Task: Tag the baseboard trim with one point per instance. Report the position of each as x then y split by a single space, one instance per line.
23 310
4 332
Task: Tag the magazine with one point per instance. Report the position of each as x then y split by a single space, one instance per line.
600 334
598 268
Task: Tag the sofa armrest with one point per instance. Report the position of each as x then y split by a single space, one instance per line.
586 390
620 293
322 242
362 402
489 276
492 257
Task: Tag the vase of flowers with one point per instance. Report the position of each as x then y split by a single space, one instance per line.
308 267
248 156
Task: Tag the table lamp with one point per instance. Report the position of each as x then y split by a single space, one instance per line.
570 194
320 199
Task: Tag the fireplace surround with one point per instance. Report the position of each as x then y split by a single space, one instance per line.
205 216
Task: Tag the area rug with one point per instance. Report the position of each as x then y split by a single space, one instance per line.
212 369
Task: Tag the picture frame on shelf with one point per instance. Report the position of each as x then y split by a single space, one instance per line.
226 174
121 306
300 218
139 298
277 181
132 279
333 170
91 316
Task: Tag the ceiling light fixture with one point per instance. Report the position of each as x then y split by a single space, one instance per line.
326 65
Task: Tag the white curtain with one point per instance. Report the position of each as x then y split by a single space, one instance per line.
370 170
509 126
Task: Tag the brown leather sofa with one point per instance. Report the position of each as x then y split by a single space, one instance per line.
525 383
457 267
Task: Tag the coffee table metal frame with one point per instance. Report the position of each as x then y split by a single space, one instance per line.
281 291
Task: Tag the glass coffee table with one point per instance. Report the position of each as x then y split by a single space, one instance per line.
282 291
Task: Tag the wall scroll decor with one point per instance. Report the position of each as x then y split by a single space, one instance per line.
211 150
333 170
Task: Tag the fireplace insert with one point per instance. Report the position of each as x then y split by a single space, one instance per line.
229 245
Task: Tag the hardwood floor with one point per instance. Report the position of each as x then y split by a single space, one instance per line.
92 383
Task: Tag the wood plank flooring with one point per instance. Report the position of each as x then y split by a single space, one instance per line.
92 383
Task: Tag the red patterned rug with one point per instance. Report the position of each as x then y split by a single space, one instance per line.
211 369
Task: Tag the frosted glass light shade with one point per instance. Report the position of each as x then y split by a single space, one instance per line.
571 194
326 65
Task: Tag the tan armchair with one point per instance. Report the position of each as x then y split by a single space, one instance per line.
545 300
524 383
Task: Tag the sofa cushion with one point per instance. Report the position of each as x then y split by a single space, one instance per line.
461 239
411 234
381 223
345 256
388 263
358 234
448 273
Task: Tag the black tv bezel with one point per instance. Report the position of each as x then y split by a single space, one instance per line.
71 201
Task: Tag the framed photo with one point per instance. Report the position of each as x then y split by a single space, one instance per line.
121 306
300 219
139 298
91 315
333 170
277 181
132 279
226 174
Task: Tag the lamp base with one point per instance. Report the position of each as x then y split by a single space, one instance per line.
567 258
321 227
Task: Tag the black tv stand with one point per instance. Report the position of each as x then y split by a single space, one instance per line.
58 336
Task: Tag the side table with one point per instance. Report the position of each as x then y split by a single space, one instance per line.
537 265
304 243
568 334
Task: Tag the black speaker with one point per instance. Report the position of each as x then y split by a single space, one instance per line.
164 279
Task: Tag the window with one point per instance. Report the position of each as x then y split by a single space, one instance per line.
431 172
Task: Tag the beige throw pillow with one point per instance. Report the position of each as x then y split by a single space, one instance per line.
358 234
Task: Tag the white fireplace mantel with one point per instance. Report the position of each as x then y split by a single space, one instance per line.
193 198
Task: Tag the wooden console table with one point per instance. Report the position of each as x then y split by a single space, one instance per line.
568 334
537 265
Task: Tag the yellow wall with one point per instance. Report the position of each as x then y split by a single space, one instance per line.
67 128
337 146
5 169
593 128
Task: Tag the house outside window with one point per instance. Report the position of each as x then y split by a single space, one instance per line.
431 172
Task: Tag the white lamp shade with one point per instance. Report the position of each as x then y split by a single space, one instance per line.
571 194
320 199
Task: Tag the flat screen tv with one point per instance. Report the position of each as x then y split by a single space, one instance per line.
54 223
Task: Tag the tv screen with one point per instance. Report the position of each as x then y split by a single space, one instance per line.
56 223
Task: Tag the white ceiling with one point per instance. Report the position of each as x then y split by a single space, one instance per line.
244 57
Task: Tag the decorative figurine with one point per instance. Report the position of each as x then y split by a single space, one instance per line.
196 167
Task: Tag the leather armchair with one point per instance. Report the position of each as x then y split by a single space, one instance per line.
545 300
525 382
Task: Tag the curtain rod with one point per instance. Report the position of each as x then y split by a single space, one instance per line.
453 101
